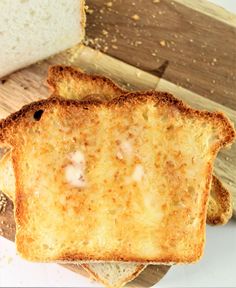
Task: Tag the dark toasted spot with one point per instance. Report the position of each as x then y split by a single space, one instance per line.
38 114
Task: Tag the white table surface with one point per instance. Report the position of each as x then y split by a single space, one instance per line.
216 269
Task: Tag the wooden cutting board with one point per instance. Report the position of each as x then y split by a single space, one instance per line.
153 64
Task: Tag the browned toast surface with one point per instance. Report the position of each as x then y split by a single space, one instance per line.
112 149
68 82
220 205
71 83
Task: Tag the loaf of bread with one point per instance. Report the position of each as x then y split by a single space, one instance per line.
33 30
143 159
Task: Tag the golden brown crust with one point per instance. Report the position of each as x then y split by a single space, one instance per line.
220 208
21 119
59 73
161 98
69 73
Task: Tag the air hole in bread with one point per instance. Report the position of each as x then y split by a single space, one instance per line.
38 114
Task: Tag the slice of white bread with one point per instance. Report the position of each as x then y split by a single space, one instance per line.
220 205
33 30
110 274
72 83
219 209
143 159
114 275
97 269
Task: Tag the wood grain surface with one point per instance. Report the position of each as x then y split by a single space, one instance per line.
178 42
29 84
189 45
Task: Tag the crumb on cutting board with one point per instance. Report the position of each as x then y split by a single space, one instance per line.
3 202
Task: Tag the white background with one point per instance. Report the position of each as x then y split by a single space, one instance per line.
216 269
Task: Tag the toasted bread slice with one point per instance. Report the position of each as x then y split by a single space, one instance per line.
144 159
72 83
116 277
220 208
110 274
7 176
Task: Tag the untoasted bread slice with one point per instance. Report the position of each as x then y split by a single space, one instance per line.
144 159
220 208
114 275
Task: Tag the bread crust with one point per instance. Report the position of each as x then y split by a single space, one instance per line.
9 127
119 284
220 208
60 73
161 98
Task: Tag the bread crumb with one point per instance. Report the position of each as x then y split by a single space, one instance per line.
114 47
163 43
104 32
3 202
109 4
156 1
135 17
88 10
136 43
74 172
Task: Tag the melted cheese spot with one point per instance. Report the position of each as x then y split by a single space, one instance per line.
125 150
77 158
74 172
138 173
